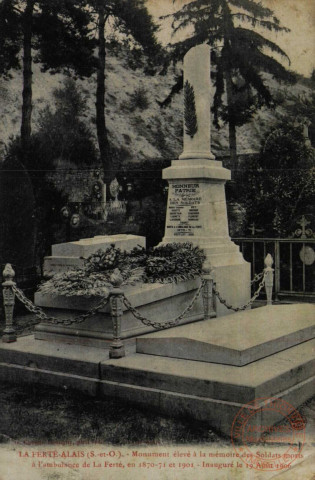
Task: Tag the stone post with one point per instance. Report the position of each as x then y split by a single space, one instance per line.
9 334
207 292
117 349
269 278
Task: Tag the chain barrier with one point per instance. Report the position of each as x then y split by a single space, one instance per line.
243 307
257 277
157 325
164 325
42 315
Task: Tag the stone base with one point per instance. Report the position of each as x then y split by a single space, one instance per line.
233 284
157 302
196 213
8 337
70 255
235 340
87 246
208 392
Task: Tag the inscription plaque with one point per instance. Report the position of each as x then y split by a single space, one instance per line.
184 215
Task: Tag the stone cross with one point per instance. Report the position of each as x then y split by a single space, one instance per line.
253 230
303 222
197 82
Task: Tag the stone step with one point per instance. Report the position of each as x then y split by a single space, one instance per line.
237 339
208 392
51 356
264 378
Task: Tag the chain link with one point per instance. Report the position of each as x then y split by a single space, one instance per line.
257 277
42 315
243 307
164 325
157 325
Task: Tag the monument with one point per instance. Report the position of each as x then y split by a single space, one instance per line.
248 365
196 208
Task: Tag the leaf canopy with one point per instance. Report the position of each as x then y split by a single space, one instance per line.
238 50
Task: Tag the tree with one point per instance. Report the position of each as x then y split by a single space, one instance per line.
279 187
238 52
62 134
10 38
17 215
57 30
127 17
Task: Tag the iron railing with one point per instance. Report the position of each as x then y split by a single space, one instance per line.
294 268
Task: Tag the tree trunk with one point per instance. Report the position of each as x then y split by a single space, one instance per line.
102 136
26 127
232 126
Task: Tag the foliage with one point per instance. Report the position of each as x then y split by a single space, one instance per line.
10 38
62 134
239 53
279 187
151 218
17 215
164 264
132 18
59 34
62 36
137 29
284 148
77 282
56 33
37 160
302 108
145 177
191 126
149 189
139 99
174 262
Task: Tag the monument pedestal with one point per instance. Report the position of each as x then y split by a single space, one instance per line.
196 213
196 209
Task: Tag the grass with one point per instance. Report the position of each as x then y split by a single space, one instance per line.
46 415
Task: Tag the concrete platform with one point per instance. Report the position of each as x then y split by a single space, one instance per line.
237 339
206 391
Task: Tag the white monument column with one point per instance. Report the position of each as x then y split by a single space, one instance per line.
197 77
196 208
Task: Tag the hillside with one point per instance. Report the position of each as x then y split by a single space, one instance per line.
142 133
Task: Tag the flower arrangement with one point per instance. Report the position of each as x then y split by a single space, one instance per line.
168 263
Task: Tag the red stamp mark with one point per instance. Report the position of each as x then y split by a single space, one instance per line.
268 434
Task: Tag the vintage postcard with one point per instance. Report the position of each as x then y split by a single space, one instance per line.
157 239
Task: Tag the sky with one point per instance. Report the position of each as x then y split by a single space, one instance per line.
297 15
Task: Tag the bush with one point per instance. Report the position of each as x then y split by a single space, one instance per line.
139 99
62 134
